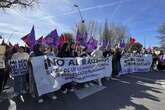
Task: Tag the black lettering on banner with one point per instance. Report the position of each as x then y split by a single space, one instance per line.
60 62
18 67
84 62
73 62
73 69
66 70
13 66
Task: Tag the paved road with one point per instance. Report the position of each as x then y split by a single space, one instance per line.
140 91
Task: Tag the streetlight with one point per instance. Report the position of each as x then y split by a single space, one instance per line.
82 20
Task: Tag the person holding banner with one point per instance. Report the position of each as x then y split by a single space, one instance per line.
19 71
155 60
65 51
116 65
98 54
161 61
38 50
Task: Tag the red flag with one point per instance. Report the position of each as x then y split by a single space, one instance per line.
25 39
62 40
132 40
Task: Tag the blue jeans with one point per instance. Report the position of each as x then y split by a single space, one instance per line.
20 83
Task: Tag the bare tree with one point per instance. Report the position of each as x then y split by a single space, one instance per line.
113 33
12 3
90 27
162 35
109 32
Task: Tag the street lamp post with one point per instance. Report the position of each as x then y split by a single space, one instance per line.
82 20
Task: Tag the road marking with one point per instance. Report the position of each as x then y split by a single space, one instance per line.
85 92
119 80
142 78
162 83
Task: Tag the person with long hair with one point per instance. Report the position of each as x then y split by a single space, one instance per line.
38 50
64 52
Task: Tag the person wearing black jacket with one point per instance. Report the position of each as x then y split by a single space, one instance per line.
38 50
64 52
116 65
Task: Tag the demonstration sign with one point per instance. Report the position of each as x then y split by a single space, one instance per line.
2 55
50 73
18 67
135 63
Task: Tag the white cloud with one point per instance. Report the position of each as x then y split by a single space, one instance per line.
22 20
98 6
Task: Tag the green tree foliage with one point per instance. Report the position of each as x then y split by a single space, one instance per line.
113 33
136 47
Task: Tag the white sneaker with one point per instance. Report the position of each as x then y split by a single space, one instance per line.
72 90
100 83
91 84
54 97
16 94
40 101
108 78
24 92
86 85
22 99
33 96
65 92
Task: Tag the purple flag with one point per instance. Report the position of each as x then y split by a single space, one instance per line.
84 38
78 37
29 39
52 39
121 44
40 40
92 43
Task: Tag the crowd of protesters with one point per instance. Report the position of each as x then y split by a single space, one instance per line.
25 84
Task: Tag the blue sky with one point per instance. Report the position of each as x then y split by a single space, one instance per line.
141 17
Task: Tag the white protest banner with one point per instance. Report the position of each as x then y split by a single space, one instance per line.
51 74
135 63
18 67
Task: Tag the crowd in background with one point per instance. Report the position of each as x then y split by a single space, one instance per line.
25 84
